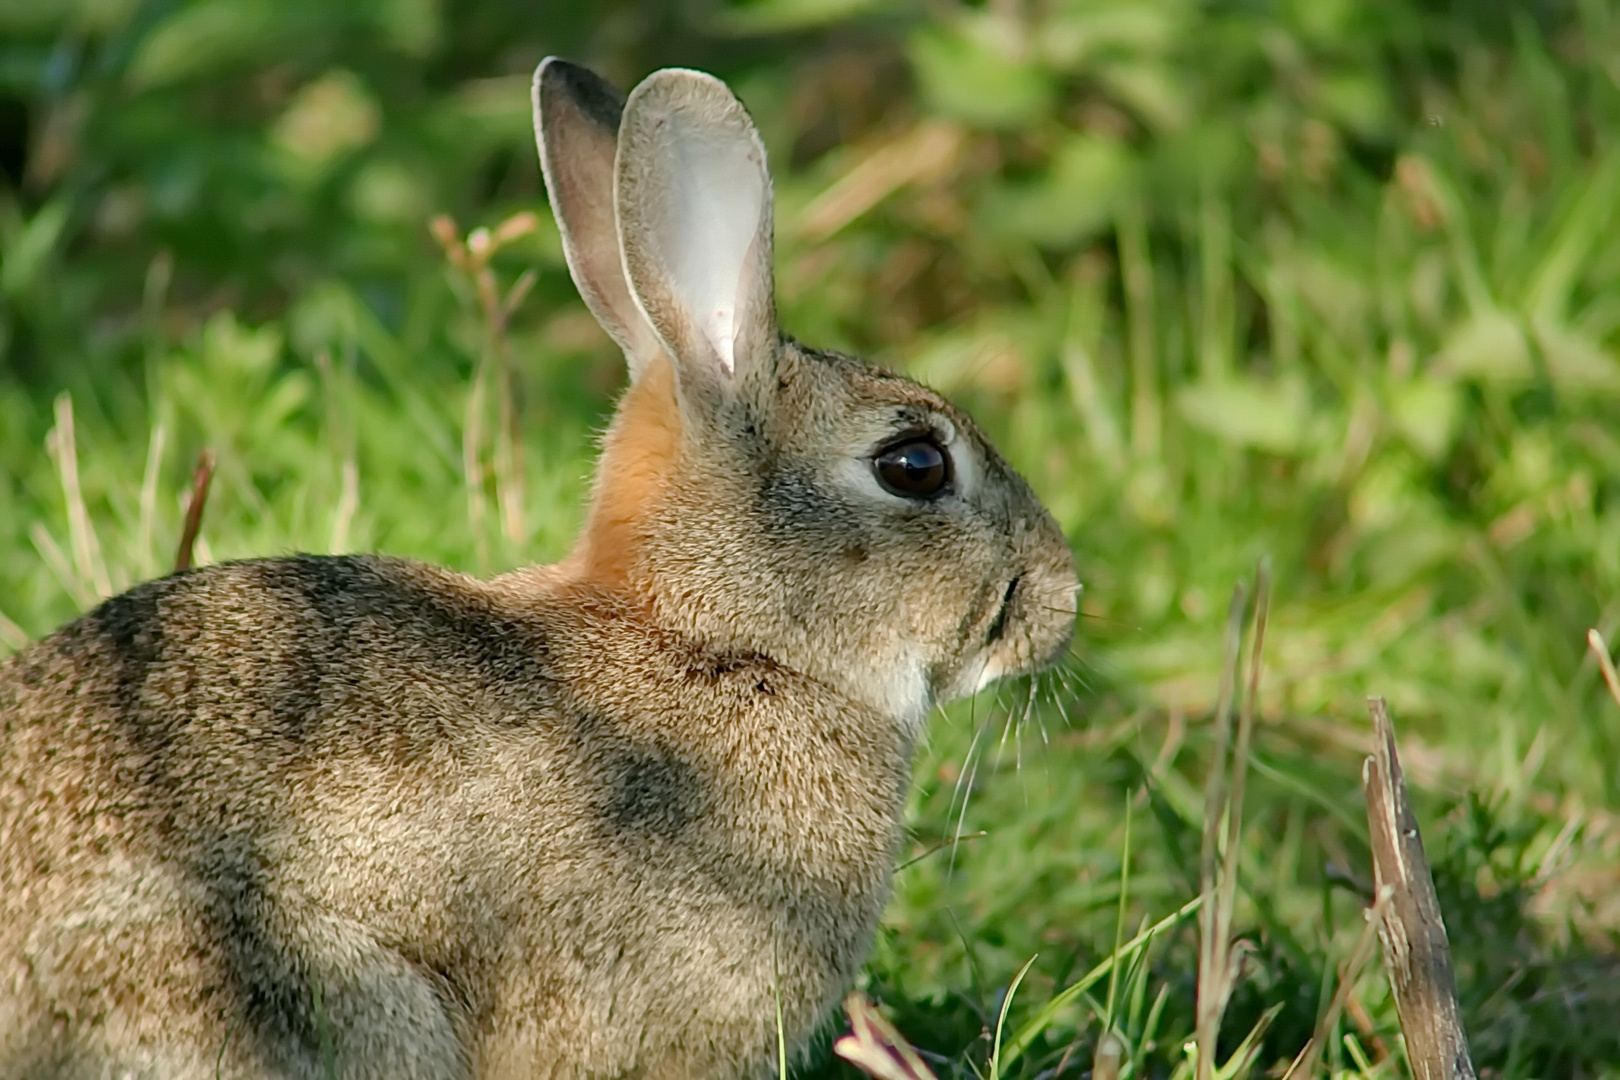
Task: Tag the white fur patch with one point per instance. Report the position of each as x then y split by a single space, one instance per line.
901 689
989 671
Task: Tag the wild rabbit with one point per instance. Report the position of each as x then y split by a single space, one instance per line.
363 817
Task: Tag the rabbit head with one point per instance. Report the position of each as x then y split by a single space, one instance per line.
752 491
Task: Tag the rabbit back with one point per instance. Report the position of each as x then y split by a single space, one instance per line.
272 815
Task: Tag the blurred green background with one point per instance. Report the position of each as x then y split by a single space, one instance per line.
1331 281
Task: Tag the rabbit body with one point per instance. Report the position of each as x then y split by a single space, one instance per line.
498 831
361 817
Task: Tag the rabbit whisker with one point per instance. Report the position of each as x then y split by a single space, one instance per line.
961 818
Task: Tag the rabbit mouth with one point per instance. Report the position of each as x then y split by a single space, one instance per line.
990 669
990 664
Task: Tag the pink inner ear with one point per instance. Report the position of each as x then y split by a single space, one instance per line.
716 192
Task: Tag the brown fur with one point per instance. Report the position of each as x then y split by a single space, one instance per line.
363 817
637 456
536 831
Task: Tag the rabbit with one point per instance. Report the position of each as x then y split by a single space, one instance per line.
356 816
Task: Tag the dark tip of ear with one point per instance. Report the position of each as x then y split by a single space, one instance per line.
558 80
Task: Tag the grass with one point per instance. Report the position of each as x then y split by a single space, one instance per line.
1362 321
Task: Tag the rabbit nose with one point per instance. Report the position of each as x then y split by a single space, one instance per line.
1058 604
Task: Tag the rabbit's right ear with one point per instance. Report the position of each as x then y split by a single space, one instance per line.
576 124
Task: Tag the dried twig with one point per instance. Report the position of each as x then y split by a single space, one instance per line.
1416 953
875 1047
1226 899
1363 1021
201 478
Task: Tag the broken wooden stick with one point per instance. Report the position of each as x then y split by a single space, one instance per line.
1417 955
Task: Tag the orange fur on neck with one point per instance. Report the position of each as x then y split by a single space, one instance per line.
637 456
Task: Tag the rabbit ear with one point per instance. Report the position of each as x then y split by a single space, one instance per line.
694 209
576 124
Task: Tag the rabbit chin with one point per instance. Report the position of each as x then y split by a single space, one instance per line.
972 675
989 671
904 691
901 690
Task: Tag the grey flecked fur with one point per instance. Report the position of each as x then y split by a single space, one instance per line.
364 817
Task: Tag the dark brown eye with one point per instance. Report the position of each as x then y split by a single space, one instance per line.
914 469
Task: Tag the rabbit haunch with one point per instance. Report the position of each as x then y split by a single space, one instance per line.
283 817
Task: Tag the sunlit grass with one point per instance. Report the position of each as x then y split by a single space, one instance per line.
1397 381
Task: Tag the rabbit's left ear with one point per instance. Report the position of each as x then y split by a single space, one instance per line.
694 211
576 125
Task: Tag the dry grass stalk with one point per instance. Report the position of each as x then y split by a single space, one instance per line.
349 471
11 635
1310 1055
926 153
474 258
1110 1056
1417 955
155 445
1223 804
64 444
201 478
1600 649
61 567
1213 977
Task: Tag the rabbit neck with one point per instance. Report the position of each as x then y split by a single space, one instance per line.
656 502
632 472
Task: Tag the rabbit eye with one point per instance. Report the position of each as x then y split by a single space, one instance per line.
914 469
